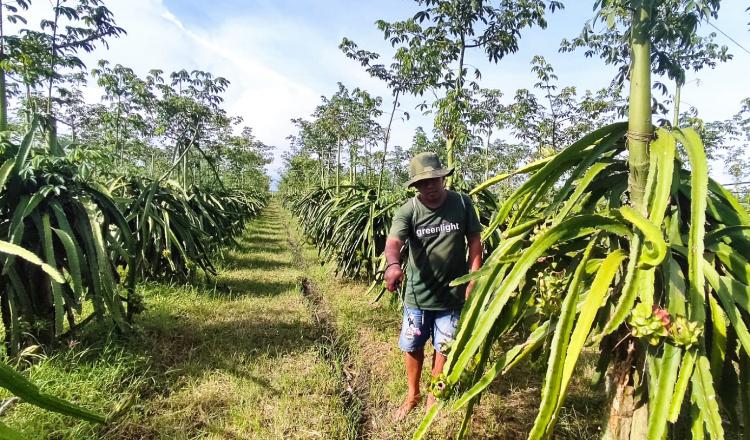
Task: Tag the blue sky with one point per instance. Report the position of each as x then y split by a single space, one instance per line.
281 56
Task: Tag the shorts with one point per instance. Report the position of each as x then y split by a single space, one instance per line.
419 325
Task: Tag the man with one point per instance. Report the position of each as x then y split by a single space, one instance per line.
440 225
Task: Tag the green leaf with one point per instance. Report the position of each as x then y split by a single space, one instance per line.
705 398
23 388
573 228
698 195
504 362
581 189
428 419
8 434
729 199
744 390
23 152
557 166
659 405
631 290
663 148
72 249
49 252
611 17
655 248
18 251
107 289
553 390
726 289
529 168
719 340
594 300
696 429
5 172
686 372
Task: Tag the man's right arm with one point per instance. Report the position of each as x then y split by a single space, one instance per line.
393 272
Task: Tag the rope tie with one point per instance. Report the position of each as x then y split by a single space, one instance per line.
639 136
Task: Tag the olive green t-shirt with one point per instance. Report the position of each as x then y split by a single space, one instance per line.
437 250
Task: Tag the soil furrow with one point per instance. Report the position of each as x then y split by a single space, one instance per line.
335 350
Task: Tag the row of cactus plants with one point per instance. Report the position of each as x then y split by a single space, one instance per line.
68 237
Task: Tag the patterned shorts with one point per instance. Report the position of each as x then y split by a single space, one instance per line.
419 325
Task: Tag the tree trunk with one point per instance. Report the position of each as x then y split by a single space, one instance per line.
385 144
352 164
5 309
640 128
43 301
677 93
338 163
3 102
321 164
628 418
51 132
487 157
449 152
451 139
3 91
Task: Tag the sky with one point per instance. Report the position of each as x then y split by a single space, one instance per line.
282 56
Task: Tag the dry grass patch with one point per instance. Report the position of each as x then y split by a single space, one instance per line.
201 406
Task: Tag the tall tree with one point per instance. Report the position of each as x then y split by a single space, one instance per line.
675 47
487 115
42 57
564 117
435 55
398 81
9 13
188 113
122 89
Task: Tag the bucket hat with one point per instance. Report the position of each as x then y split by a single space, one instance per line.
426 166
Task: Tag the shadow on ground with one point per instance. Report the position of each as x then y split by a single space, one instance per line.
231 344
235 288
240 261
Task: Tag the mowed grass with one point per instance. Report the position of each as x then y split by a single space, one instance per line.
238 357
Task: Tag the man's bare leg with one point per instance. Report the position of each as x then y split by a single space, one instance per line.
414 361
438 362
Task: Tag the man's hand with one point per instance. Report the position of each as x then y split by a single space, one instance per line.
393 275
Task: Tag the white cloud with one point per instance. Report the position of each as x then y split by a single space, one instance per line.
265 98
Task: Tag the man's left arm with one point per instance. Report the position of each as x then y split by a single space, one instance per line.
475 257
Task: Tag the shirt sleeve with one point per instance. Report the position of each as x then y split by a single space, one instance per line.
401 222
473 226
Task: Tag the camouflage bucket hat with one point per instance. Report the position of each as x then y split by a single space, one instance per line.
426 166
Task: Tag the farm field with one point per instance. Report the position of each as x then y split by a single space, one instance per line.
167 274
274 347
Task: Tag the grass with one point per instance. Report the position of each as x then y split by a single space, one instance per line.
274 347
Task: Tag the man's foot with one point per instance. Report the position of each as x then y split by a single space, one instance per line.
407 406
430 401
